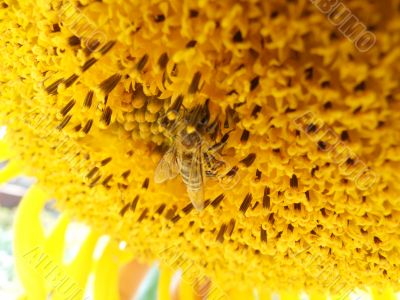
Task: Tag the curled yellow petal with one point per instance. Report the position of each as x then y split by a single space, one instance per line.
106 274
54 244
241 294
28 243
77 272
186 289
263 294
317 296
11 170
289 296
386 294
5 151
164 283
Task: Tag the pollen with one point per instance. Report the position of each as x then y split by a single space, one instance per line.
190 129
300 135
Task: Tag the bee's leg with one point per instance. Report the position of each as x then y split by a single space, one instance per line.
221 144
214 129
210 173
207 159
212 164
208 167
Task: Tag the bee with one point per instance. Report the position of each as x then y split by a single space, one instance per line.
188 155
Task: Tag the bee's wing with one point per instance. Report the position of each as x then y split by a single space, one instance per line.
195 188
197 198
168 167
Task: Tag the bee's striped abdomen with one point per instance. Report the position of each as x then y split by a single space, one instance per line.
185 170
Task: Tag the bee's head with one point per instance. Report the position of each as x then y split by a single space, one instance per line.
190 138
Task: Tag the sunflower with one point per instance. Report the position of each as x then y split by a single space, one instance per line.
252 144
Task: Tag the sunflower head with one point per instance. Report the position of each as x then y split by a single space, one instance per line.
296 171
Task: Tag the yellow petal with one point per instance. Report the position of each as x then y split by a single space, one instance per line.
77 272
317 296
11 170
5 151
386 294
55 242
28 243
241 294
106 274
186 290
341 297
263 294
290 296
164 283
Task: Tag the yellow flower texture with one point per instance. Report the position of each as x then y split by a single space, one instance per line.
304 125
